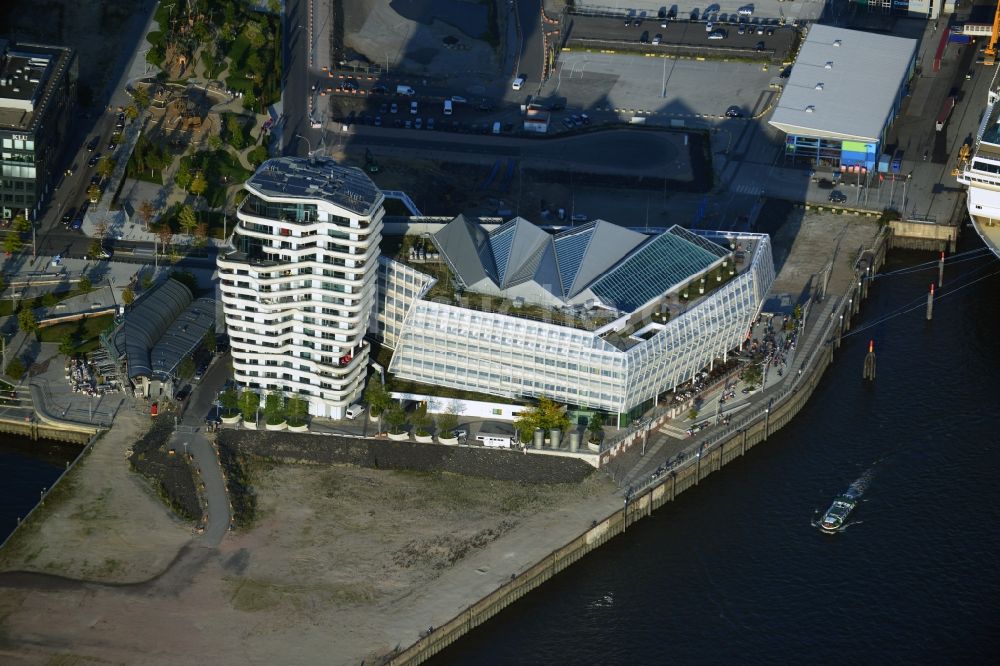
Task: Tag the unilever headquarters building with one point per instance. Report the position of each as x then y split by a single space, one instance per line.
595 316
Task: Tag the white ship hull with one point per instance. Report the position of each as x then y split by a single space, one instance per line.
981 174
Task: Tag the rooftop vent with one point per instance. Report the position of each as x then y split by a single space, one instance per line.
836 42
829 65
819 86
810 109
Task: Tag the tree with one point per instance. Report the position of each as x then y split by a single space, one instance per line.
15 369
187 220
249 402
3 283
257 156
230 400
147 281
146 212
94 193
274 408
596 427
105 167
21 224
752 375
215 142
296 408
141 96
67 344
186 278
209 342
26 320
446 423
250 101
85 285
423 423
376 396
201 234
395 417
131 112
49 299
198 185
692 413
547 415
166 238
234 132
128 296
186 368
183 175
12 243
96 247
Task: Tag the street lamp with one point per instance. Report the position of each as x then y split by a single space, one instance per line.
308 143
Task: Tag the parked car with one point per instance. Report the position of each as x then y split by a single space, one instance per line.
183 394
378 121
838 197
92 146
394 108
414 109
734 112
68 217
518 82
657 39
418 123
430 123
94 159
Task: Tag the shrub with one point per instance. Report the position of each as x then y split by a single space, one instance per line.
15 369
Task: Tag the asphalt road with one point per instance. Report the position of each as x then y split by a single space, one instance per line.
190 437
532 57
296 89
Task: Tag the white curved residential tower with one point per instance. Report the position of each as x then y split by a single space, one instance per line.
299 282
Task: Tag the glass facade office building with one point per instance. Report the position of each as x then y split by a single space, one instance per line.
37 96
616 350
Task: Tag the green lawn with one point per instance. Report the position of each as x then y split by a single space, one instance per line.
86 331
221 170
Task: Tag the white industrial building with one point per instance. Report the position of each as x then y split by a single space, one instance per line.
597 316
298 285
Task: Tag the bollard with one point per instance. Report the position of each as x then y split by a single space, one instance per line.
941 271
930 303
868 372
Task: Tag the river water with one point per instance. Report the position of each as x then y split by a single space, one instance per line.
26 467
734 572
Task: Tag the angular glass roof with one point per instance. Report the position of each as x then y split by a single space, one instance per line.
698 240
501 241
570 250
661 263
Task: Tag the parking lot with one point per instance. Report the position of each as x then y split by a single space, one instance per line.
660 86
763 38
800 10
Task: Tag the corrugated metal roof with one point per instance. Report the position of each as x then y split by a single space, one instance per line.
163 327
843 84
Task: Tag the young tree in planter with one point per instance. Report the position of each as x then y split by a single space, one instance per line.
249 402
752 375
396 418
128 296
423 423
230 400
296 408
446 423
596 427
274 408
546 415
85 285
209 342
377 397
67 344
186 369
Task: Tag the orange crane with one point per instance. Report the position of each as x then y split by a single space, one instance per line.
991 48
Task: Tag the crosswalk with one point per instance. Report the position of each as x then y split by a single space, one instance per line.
749 188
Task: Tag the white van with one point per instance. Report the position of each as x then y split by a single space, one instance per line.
496 127
354 411
405 90
447 107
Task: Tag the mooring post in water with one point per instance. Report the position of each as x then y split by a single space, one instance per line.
930 303
869 370
941 271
